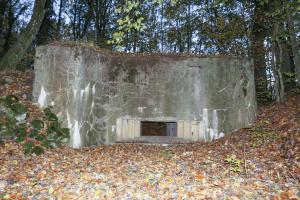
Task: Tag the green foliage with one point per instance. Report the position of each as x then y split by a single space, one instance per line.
234 163
35 136
260 136
3 195
290 77
131 19
263 95
11 112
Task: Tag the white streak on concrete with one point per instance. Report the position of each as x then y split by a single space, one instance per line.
215 123
76 136
81 94
94 89
205 123
86 89
197 96
205 117
69 120
74 92
92 106
212 134
42 97
249 105
221 135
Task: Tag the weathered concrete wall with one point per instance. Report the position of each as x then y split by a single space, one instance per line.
102 97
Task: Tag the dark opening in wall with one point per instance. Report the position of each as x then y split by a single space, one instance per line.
158 128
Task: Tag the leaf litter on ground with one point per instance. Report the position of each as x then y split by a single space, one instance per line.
260 162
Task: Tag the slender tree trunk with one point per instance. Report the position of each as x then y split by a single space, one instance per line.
9 33
135 40
87 19
295 47
15 54
101 14
97 21
12 18
199 45
278 63
79 21
279 71
58 25
286 61
46 31
74 20
189 31
258 53
3 7
276 77
161 27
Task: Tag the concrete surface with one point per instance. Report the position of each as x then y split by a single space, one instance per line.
103 97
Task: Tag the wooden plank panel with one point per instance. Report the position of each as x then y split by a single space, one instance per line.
131 128
137 128
187 129
125 129
119 129
180 128
194 130
201 131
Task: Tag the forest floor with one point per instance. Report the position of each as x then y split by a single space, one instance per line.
261 162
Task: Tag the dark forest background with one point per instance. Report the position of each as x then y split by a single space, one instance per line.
267 31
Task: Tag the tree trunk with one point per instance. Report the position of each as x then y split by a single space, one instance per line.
286 61
46 31
278 63
3 7
258 53
161 27
74 20
295 47
58 25
87 20
15 54
79 20
189 31
100 9
276 77
8 37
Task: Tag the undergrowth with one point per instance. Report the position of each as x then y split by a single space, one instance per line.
35 135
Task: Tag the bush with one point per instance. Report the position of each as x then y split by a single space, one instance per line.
35 135
234 164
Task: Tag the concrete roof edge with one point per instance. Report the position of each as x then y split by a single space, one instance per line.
108 52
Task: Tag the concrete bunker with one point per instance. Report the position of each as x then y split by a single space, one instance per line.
104 97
